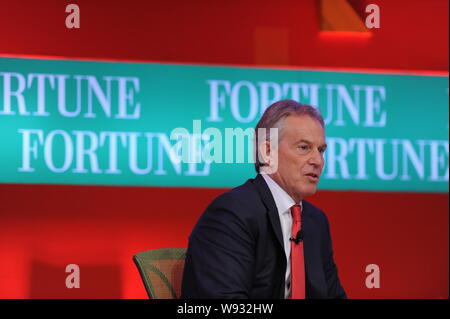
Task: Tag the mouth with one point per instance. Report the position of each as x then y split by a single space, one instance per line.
312 177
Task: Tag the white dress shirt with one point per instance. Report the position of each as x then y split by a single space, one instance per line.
284 202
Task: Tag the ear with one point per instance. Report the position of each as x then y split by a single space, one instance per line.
264 154
268 155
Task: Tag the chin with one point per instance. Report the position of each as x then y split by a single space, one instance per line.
310 191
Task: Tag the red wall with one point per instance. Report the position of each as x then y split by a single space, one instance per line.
43 228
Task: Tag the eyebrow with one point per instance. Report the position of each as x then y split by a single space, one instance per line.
324 146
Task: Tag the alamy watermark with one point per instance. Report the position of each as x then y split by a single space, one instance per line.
73 279
73 19
373 19
231 145
373 277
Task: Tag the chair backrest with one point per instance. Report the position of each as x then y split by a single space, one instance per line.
161 271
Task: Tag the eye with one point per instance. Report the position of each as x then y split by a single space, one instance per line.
304 148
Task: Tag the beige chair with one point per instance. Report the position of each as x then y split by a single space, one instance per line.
161 271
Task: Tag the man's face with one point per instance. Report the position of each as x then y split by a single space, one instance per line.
300 156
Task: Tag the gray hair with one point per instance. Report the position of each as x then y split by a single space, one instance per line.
274 117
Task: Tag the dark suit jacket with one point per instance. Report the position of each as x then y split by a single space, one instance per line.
236 249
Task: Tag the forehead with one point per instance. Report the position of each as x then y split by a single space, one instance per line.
303 127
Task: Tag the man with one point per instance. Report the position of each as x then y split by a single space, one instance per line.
262 239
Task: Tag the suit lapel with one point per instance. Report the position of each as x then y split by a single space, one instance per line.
308 241
316 284
315 280
269 202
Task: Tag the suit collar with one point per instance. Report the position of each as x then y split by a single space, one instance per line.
282 199
272 209
267 196
312 269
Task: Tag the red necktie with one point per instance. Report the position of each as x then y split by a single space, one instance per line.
297 261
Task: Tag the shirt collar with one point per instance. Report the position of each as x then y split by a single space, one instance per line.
283 201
